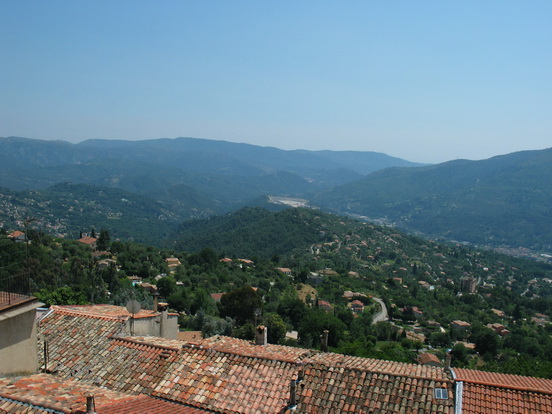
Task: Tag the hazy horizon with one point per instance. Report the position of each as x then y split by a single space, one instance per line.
427 82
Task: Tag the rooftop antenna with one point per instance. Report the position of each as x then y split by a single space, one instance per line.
133 307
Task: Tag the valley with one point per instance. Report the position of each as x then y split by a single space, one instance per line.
220 233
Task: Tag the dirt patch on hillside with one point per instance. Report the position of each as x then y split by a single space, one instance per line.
304 290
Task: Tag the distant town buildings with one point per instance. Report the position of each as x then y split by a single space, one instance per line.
89 241
468 284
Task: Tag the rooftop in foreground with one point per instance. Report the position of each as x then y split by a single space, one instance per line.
228 375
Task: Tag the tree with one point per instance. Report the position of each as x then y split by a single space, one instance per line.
439 339
485 340
61 296
315 323
103 240
240 304
202 300
276 328
166 286
211 325
293 310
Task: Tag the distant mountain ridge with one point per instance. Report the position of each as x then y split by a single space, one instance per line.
196 155
188 177
503 201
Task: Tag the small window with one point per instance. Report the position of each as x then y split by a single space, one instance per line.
441 393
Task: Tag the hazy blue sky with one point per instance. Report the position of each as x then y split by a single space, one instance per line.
427 81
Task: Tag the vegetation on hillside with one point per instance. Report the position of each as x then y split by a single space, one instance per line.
341 260
502 201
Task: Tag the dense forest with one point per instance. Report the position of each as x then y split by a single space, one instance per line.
300 270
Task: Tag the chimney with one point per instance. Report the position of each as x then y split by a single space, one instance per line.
155 302
293 394
46 355
324 339
301 373
448 360
261 335
90 404
163 319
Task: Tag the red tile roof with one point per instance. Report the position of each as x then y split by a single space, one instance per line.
227 382
427 358
75 339
145 404
503 393
249 349
217 296
15 234
504 380
105 311
232 375
43 393
478 399
190 336
380 366
350 390
9 406
87 240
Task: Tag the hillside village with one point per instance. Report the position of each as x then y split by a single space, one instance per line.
396 323
257 207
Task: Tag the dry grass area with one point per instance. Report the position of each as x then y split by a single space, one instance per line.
304 290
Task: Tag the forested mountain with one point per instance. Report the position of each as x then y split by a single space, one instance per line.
67 209
255 232
502 201
187 157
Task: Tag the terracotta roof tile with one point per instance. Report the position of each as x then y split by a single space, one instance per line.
427 358
247 348
104 311
504 380
503 393
44 393
190 336
74 340
9 406
379 366
478 398
232 375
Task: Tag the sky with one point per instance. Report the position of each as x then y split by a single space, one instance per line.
427 81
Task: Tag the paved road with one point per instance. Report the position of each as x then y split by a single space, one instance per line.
381 315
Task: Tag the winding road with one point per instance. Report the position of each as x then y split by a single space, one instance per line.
381 315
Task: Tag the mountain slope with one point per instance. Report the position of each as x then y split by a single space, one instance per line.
197 156
255 232
505 200
66 209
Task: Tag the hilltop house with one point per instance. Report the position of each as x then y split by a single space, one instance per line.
315 278
324 305
286 271
89 241
17 236
217 296
428 359
357 306
460 327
